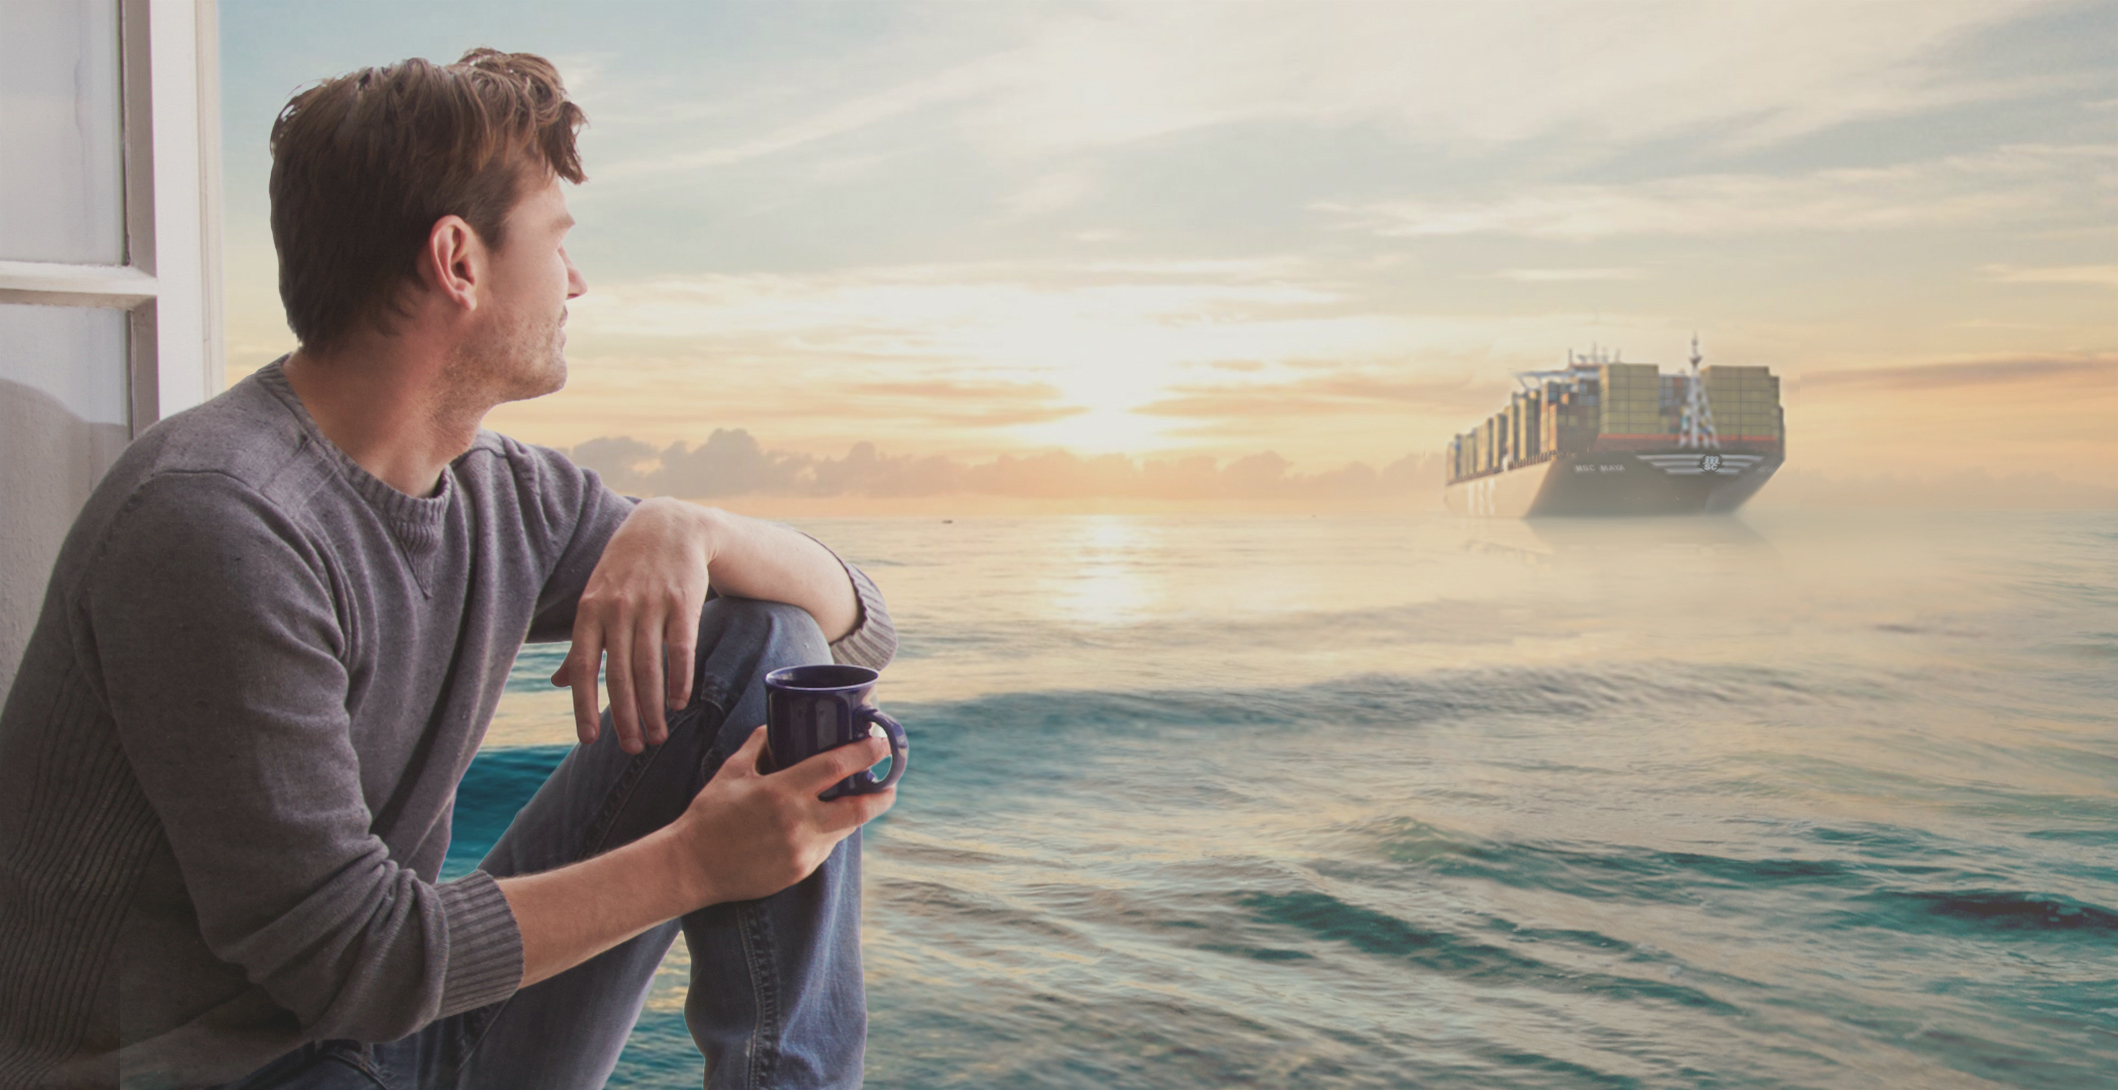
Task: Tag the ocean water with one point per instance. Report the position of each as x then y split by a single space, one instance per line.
1789 800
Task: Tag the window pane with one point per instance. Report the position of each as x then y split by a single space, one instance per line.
63 414
61 178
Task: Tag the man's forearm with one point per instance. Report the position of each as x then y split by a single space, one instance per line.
755 559
571 914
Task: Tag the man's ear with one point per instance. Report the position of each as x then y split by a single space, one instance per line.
453 263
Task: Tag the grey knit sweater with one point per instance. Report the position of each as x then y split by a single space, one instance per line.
228 761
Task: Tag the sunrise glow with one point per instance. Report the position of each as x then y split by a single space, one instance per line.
1328 232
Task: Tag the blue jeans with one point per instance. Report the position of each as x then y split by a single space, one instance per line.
776 998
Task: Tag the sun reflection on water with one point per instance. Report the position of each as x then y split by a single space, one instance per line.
1112 581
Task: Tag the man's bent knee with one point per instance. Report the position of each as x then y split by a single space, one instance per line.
773 622
743 639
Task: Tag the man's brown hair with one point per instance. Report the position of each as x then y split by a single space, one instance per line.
363 166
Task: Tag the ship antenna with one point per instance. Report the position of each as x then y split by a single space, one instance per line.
1698 429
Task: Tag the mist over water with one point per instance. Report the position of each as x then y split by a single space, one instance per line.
1793 799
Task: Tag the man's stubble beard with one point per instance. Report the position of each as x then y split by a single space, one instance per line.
522 359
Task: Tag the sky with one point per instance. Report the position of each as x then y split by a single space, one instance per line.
1142 254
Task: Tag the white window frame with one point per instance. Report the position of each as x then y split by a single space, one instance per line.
170 283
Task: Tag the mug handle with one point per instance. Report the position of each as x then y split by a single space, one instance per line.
900 751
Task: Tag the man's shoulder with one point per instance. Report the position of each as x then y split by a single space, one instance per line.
247 436
491 448
241 451
539 494
539 473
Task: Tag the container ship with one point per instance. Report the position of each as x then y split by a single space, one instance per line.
1604 437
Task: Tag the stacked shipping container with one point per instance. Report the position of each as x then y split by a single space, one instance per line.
1745 401
1632 399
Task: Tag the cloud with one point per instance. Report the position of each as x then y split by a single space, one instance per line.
1038 82
2023 184
1753 73
2104 276
934 304
1050 193
731 462
960 403
1322 395
845 114
1065 349
2093 370
1054 325
1565 276
2000 414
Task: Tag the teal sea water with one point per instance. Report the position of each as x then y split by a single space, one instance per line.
1790 800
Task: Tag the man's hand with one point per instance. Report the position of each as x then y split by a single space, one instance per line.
746 835
752 834
640 610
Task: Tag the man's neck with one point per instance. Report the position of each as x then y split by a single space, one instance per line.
386 404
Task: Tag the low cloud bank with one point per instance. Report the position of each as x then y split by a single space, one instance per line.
2078 372
731 462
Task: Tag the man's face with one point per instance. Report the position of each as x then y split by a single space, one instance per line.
521 350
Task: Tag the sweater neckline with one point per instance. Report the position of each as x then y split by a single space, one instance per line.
420 515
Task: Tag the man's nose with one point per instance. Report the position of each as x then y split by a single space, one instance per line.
576 284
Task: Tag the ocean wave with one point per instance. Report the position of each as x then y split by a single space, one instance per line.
1381 699
1327 918
1604 872
1980 912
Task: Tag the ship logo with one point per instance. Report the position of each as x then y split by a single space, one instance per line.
1693 465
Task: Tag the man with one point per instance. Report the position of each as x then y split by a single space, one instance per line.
277 631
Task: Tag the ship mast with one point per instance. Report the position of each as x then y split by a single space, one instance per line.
1697 429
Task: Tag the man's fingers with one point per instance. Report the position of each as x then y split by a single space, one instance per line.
647 681
582 664
843 815
744 761
833 765
680 637
624 715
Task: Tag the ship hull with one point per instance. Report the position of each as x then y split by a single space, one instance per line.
1666 481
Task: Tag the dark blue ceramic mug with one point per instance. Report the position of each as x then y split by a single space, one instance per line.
809 709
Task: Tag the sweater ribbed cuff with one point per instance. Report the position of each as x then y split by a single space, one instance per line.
484 956
873 642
